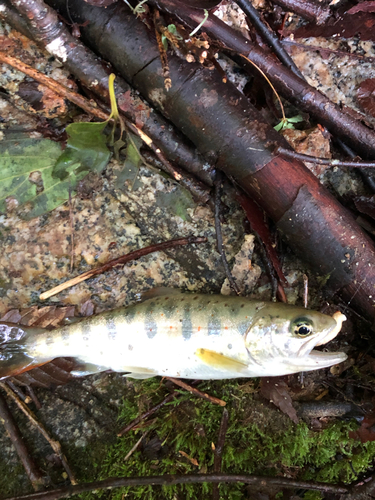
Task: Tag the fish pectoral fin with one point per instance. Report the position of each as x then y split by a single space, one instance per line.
139 372
220 361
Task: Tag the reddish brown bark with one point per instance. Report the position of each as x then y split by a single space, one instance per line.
309 9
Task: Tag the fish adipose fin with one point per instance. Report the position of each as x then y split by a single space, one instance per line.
219 361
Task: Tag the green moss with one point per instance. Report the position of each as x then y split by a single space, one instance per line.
259 440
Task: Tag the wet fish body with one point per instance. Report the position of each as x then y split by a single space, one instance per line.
182 335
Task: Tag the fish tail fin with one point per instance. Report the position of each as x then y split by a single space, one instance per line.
15 341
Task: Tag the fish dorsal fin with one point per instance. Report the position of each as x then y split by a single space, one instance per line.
161 291
220 361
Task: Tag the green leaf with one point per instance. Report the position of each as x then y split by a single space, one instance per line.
19 158
86 151
35 171
295 119
279 126
164 41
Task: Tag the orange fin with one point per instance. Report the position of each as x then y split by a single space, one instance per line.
220 361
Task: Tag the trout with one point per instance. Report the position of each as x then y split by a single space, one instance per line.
182 335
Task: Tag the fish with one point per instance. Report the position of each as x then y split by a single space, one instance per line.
182 335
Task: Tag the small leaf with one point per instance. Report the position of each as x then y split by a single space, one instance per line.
295 119
86 151
279 126
164 41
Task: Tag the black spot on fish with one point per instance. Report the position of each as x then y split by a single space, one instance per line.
111 328
214 326
242 305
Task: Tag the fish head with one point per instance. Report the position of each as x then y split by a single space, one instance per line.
282 338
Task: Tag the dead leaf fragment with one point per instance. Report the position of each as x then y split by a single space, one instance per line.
275 389
191 459
366 432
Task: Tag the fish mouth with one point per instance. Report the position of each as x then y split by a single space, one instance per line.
310 359
339 318
317 359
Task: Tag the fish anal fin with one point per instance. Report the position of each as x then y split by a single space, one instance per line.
220 361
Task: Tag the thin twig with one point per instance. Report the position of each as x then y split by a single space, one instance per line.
323 161
197 392
268 36
18 391
322 50
33 397
71 218
147 413
218 454
163 53
130 453
14 434
307 9
219 236
171 480
55 86
120 261
305 290
55 445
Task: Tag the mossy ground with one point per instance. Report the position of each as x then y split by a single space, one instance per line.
259 440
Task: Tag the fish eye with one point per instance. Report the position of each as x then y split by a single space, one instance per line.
302 327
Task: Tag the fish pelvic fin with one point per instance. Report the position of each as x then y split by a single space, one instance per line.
220 361
14 357
139 372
